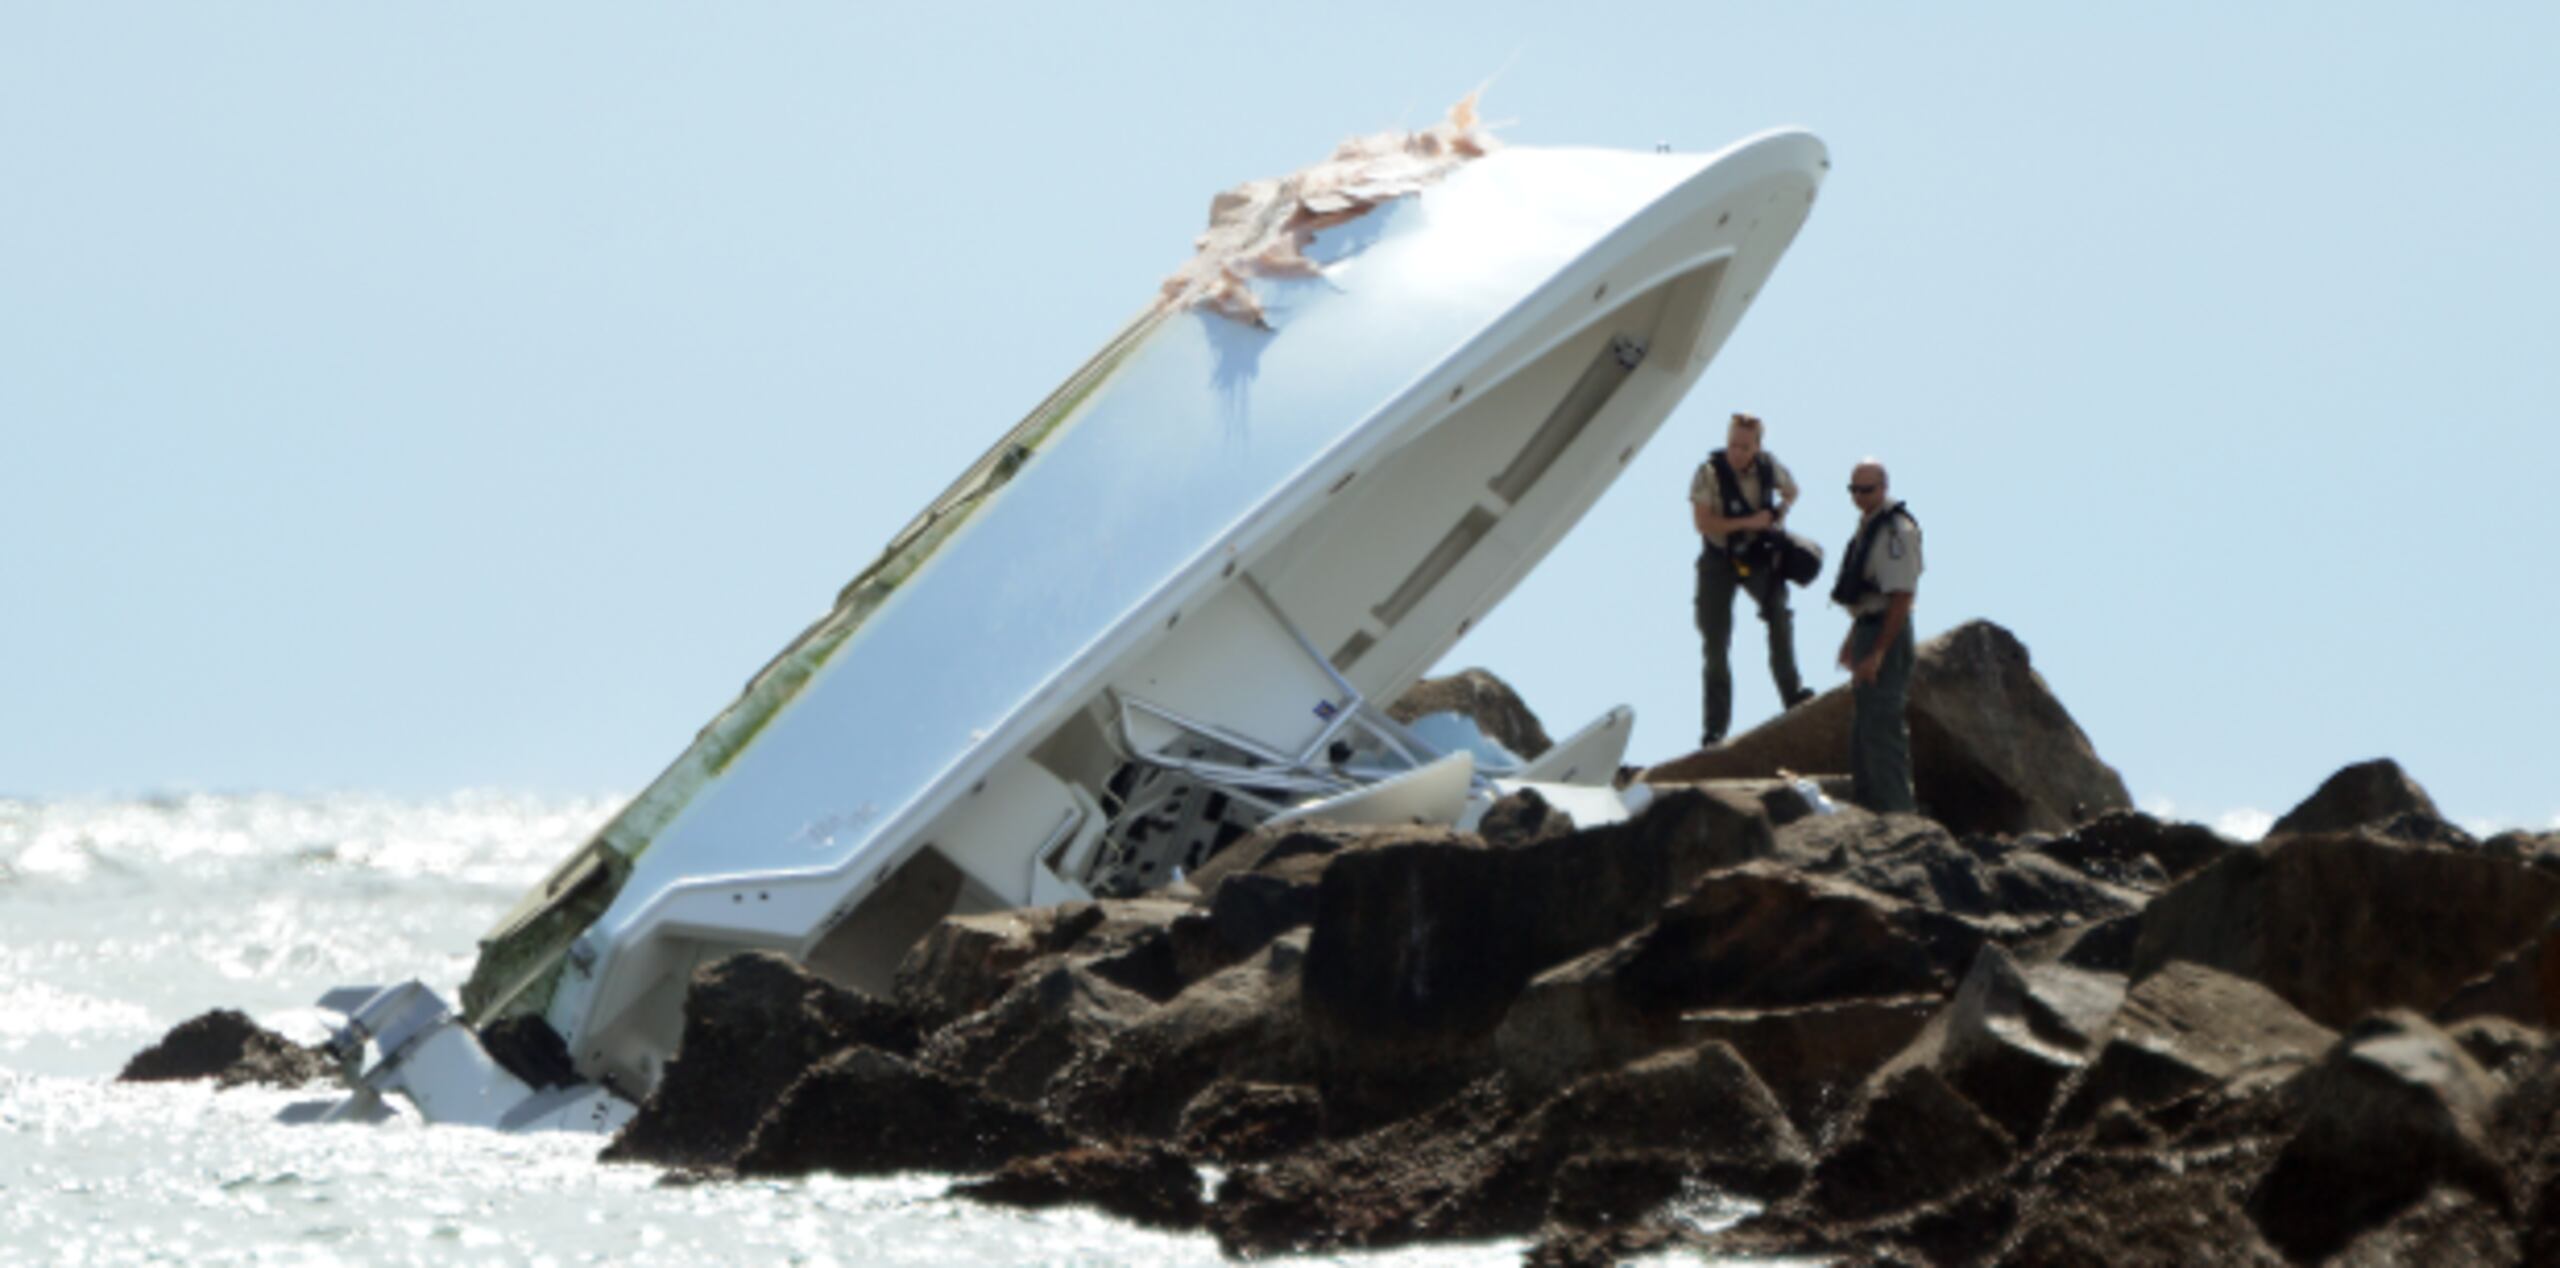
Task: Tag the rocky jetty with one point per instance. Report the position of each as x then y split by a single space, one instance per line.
2029 1026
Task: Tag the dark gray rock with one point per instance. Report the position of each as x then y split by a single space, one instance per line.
2183 1031
2146 1207
1300 850
2447 1226
1472 1166
1242 1023
1422 1177
1816 1057
753 1024
2364 794
2523 986
1242 916
225 1046
2104 947
2012 1035
2342 925
1703 1104
1992 750
866 1112
1764 936
2395 1110
968 962
1913 1140
1046 1022
2113 848
1148 1183
1419 949
1522 818
1235 1121
1614 1187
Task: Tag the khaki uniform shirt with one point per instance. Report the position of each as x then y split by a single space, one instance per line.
1894 565
1702 488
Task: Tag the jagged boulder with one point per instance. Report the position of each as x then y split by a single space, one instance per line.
1473 1166
2012 1035
1148 1183
867 1112
2134 850
1765 936
1241 917
1301 849
1612 1188
2144 1206
1992 750
2362 795
1046 1022
1995 888
1816 1057
2342 925
1234 1120
1422 1176
1497 710
2523 986
1572 1020
2447 1226
2394 1110
753 1024
225 1046
1703 1106
2183 1031
1913 1140
1522 818
1419 949
968 962
1241 1023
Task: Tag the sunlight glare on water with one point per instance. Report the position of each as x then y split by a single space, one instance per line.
119 919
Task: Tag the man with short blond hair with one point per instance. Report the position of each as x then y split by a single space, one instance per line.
1879 576
1737 500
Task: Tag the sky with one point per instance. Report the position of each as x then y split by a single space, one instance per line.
411 398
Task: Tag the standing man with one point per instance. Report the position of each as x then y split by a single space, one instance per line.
1737 499
1878 577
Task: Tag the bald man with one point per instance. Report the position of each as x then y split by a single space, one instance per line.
1879 575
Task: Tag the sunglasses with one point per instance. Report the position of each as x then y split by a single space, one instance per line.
1864 488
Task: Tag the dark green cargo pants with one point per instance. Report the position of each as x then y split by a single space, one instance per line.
1879 739
1716 583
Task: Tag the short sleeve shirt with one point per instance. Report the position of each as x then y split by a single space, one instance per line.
1702 488
1894 565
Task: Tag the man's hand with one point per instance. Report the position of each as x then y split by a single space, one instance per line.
1842 660
1868 670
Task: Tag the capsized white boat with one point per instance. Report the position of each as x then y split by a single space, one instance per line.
1166 608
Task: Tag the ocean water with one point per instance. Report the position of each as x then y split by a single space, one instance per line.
119 919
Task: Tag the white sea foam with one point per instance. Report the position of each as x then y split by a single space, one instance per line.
120 919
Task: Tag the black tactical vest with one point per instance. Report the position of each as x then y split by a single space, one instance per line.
1729 490
1853 584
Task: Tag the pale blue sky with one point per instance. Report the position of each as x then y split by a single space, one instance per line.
415 397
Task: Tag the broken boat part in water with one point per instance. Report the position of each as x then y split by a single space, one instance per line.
996 714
